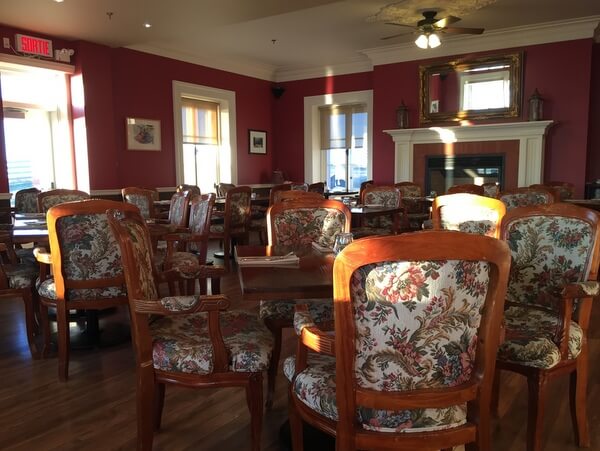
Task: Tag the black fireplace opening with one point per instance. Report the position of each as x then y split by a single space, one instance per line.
444 171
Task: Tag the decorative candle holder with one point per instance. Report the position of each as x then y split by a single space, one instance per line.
536 105
402 115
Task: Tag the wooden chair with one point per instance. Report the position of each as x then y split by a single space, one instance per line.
236 221
277 177
491 189
555 255
186 251
298 186
189 341
193 189
411 365
525 197
223 188
388 196
285 196
54 197
26 200
560 190
86 268
468 188
363 185
318 187
141 198
314 220
415 209
18 280
259 223
468 213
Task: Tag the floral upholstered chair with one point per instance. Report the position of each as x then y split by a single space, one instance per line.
86 268
300 223
54 197
380 195
193 189
141 198
468 213
525 197
190 341
468 188
26 200
416 210
411 364
176 223
565 190
236 220
555 256
190 259
491 189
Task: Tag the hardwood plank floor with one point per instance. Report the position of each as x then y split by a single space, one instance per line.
95 409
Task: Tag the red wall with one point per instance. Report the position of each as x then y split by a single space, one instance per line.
593 163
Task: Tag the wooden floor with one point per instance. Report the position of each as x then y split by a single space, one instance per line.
95 409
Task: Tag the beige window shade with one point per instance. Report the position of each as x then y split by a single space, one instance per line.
200 121
336 125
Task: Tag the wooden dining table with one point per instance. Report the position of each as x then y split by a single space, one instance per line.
30 228
311 277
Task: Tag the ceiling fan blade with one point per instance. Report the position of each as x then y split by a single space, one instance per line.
393 36
443 23
460 30
400 24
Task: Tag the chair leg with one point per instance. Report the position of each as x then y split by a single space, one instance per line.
536 384
295 423
226 250
274 364
159 402
578 398
494 405
30 322
62 324
145 401
45 324
254 398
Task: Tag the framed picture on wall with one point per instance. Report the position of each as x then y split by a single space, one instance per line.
143 134
257 141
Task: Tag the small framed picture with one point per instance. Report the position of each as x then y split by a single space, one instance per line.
435 106
143 134
257 141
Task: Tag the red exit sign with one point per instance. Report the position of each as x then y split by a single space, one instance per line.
34 46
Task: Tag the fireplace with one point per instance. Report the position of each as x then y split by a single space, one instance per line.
444 171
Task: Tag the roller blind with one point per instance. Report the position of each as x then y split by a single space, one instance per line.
337 126
200 121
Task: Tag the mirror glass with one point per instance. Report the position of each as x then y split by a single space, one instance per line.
471 89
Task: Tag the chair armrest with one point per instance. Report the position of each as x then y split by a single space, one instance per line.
310 334
582 290
182 305
42 255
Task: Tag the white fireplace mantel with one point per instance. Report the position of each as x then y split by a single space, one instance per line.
531 137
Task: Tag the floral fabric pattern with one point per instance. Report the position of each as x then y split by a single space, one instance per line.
141 202
51 201
410 191
143 257
548 252
240 209
303 226
470 219
20 275
185 263
26 201
47 289
178 303
515 200
490 190
385 198
320 310
530 335
181 343
177 209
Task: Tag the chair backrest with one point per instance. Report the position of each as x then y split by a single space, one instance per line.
363 185
193 189
491 189
276 191
388 196
86 262
299 186
468 213
201 208
409 189
307 220
237 208
469 188
417 331
54 197
525 197
284 196
565 190
26 200
222 189
142 198
551 245
179 211
318 187
278 178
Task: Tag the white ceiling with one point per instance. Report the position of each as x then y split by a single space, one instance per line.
273 36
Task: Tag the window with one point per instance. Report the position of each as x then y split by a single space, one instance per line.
204 135
343 143
480 91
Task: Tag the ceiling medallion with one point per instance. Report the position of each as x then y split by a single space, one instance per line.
409 11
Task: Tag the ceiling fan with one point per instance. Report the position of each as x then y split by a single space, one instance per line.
430 26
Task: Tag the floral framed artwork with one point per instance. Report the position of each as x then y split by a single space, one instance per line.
257 141
143 134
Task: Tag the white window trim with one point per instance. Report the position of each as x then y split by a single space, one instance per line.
226 101
314 170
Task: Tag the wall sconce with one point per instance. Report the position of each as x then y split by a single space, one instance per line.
536 106
428 40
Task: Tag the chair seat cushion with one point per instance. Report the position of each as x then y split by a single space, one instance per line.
320 310
529 338
315 387
47 289
185 263
181 343
20 275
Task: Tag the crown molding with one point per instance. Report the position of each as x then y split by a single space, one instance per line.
543 33
303 73
245 68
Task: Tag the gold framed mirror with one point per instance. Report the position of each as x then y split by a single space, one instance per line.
481 88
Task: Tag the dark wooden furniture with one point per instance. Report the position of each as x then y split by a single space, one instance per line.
466 188
142 198
47 199
185 341
193 189
318 187
375 371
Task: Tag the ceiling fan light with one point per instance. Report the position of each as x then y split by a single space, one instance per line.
422 41
434 40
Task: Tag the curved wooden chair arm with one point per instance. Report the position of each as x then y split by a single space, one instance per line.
577 290
311 335
42 255
182 305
